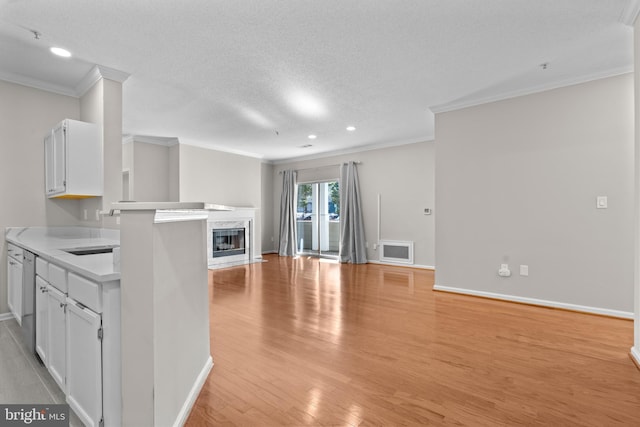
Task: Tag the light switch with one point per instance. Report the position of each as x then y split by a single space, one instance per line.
601 202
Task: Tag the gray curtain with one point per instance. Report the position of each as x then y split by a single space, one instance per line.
352 241
287 245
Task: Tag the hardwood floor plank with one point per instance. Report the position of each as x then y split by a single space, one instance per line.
308 342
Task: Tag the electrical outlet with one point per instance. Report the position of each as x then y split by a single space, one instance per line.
504 270
375 246
524 270
117 220
97 214
601 202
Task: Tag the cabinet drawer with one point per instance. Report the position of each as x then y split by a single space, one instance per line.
58 277
85 292
42 268
14 251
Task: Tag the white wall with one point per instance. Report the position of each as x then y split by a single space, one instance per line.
635 350
403 176
219 177
516 183
26 115
269 243
174 173
148 171
102 104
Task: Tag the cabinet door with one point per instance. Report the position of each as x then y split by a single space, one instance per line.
55 161
49 162
10 283
42 314
84 362
15 288
57 332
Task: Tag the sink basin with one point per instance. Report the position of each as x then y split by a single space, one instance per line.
90 251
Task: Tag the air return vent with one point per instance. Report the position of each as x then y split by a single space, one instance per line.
396 251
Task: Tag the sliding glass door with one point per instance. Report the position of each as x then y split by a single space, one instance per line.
318 218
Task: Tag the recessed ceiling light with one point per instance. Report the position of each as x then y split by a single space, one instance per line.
351 128
306 146
312 136
60 52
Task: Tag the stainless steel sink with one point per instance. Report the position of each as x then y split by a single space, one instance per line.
90 250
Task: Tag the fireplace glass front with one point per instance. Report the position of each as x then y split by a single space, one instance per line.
228 242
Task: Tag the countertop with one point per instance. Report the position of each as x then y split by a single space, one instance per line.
138 206
49 242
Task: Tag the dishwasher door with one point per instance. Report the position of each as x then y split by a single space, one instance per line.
29 300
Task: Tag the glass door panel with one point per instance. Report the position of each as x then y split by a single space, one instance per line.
318 218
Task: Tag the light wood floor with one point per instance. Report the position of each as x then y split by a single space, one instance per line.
307 342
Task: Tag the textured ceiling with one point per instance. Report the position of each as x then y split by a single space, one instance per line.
257 77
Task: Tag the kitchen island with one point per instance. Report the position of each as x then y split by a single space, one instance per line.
74 306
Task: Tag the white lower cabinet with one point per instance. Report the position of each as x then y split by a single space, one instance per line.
84 362
42 321
72 313
57 333
14 283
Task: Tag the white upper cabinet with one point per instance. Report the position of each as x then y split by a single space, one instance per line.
73 160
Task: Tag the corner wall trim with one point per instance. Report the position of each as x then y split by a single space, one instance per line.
540 302
193 394
635 356
5 316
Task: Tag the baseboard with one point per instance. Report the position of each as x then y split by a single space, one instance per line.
540 302
423 267
5 316
635 356
193 394
269 252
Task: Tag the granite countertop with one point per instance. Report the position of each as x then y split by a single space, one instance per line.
49 243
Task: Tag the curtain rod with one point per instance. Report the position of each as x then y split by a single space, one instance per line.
322 167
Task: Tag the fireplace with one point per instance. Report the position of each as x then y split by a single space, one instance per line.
228 242
230 239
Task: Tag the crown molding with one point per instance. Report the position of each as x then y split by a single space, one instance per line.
630 13
155 140
99 72
473 102
91 78
360 149
199 144
37 84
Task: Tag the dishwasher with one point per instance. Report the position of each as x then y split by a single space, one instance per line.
29 300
